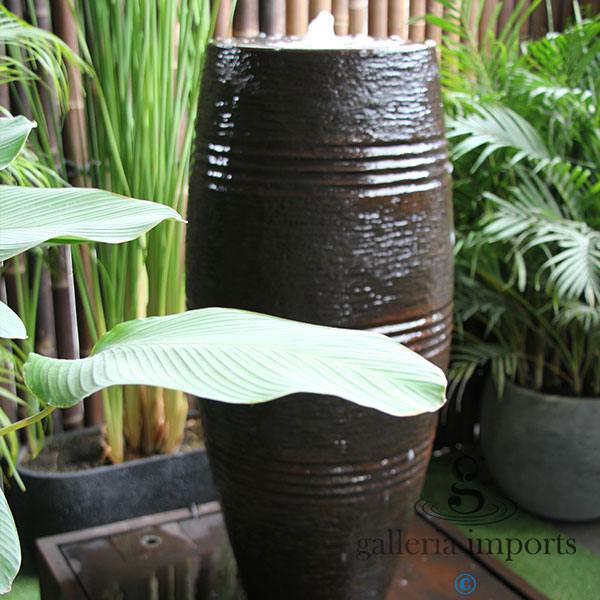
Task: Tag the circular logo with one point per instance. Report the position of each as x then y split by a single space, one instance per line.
493 511
465 583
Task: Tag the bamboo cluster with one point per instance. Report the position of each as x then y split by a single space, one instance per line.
379 18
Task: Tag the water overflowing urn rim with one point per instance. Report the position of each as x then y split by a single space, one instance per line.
346 44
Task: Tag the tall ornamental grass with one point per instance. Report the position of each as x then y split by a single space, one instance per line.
141 105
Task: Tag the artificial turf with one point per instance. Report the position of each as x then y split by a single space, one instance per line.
560 570
26 586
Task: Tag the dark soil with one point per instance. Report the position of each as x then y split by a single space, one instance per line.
88 451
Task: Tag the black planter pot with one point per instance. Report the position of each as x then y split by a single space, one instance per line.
60 502
544 450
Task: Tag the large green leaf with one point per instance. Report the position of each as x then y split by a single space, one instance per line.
10 551
243 357
11 326
32 216
13 135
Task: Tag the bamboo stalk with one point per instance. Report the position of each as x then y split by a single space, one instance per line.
341 15
398 18
455 37
434 32
272 17
487 13
555 17
224 19
14 274
508 6
9 407
45 332
357 14
473 16
316 6
76 152
67 343
75 146
49 101
539 21
19 103
378 15
246 19
45 338
524 31
296 18
416 30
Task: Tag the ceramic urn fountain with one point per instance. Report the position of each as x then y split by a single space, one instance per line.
321 192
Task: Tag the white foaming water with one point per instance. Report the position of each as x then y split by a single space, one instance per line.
320 30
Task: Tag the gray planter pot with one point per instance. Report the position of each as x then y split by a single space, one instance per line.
544 450
60 502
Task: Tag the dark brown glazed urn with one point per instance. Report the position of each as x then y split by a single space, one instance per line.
321 192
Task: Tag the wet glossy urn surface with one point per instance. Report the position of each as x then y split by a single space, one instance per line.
321 192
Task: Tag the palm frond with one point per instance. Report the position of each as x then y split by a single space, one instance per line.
586 316
574 269
30 50
532 219
467 358
495 127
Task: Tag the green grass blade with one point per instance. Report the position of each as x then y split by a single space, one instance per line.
243 357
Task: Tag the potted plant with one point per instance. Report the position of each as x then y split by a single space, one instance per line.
32 216
62 470
128 97
524 130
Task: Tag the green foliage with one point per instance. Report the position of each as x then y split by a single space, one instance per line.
10 557
524 131
243 357
32 216
34 69
141 103
13 135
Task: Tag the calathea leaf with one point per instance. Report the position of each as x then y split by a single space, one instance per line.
243 357
13 135
10 550
11 326
32 216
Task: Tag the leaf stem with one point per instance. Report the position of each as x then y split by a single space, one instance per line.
28 421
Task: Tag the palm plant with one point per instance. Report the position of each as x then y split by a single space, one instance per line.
524 131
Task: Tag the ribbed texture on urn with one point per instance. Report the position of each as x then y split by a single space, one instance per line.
330 170
303 480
